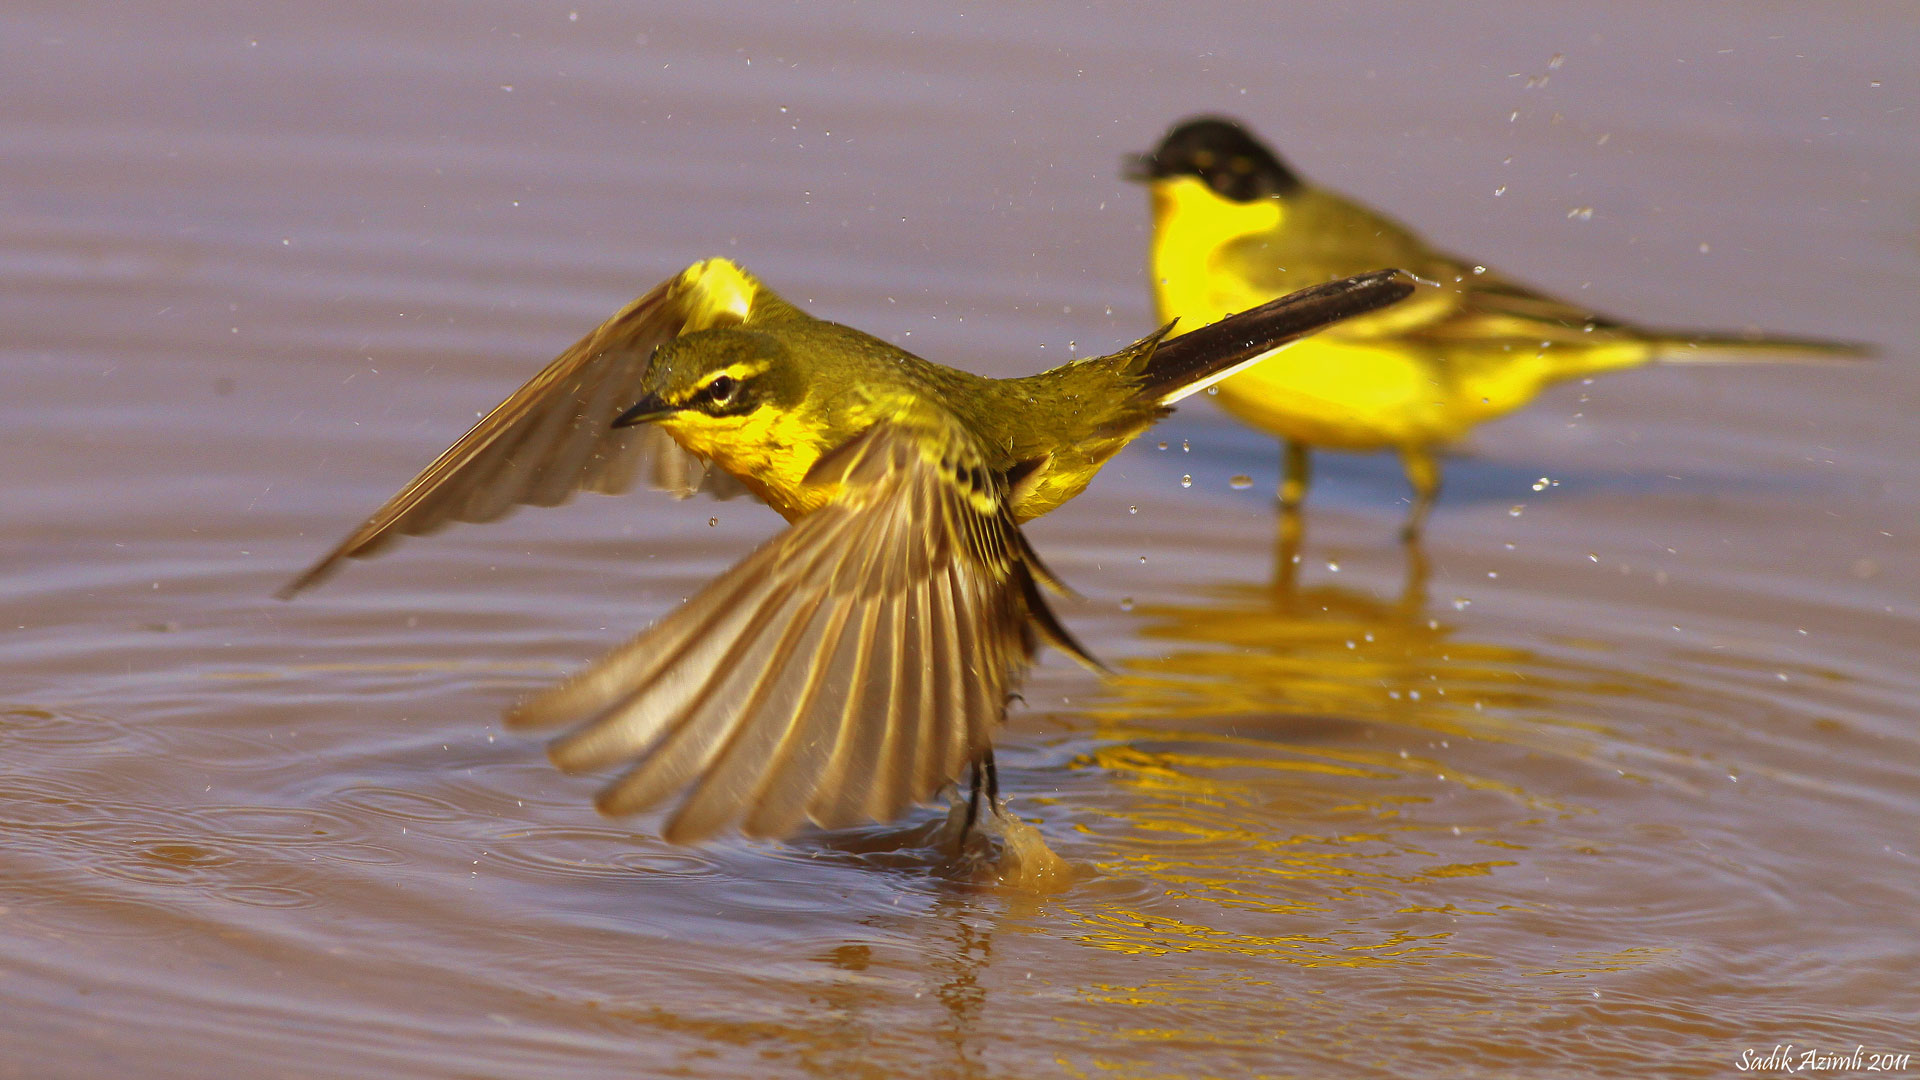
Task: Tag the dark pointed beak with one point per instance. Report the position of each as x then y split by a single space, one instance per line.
1137 168
645 411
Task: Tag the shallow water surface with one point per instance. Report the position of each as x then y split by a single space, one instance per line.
1617 774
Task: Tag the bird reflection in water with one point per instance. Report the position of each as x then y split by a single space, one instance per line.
941 954
1302 749
1286 659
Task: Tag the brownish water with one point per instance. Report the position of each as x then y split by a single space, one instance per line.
1629 785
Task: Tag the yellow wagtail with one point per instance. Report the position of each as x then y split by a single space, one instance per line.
1233 227
861 659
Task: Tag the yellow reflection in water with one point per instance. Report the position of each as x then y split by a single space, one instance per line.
1328 651
1283 754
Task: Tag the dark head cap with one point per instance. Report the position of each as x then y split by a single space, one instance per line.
1220 152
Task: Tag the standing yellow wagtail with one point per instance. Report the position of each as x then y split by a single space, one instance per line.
1233 227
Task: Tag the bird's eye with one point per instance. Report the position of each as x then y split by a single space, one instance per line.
721 390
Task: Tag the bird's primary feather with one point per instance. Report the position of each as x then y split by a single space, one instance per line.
851 666
554 436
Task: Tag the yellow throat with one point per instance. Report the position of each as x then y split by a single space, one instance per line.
1191 223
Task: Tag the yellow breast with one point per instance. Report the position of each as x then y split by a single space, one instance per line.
1363 386
1190 224
770 451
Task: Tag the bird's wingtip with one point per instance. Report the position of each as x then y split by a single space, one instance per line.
307 578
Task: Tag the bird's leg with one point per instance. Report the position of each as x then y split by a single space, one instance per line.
1423 473
973 805
1296 471
986 776
1413 591
1286 552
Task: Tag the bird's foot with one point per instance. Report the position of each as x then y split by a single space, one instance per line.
992 846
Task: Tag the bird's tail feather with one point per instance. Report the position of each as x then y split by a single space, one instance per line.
1198 359
1671 347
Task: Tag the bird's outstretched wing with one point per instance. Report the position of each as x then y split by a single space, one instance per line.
554 436
851 666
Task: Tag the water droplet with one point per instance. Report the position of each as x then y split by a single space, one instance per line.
1240 482
1186 481
1461 603
712 521
1558 59
1213 391
1592 557
1143 560
1580 213
1161 446
1479 270
1133 509
1126 603
1541 484
1333 566
1515 510
1497 192
1186 447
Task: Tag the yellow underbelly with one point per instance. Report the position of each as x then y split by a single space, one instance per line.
1384 380
1346 397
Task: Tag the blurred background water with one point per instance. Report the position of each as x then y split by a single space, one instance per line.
1622 780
